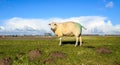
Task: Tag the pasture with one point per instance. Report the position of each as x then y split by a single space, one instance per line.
96 50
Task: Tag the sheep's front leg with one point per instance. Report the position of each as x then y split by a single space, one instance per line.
60 43
76 41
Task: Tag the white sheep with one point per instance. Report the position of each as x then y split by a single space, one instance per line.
67 29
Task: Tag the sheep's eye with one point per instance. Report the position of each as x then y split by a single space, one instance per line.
49 24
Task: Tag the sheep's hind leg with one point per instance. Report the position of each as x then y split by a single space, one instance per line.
80 41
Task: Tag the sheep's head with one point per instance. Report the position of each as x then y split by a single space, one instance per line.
53 26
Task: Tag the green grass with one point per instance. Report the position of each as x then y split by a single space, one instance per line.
18 47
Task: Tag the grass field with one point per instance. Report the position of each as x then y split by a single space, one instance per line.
96 50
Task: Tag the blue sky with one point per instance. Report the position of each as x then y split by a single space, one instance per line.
59 8
17 10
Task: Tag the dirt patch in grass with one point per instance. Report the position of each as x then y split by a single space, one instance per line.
49 60
103 50
54 56
34 54
58 54
5 61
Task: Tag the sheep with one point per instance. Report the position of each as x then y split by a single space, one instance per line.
68 28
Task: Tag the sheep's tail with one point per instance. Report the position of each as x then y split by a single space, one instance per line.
84 27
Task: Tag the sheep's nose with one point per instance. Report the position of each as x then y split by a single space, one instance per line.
51 29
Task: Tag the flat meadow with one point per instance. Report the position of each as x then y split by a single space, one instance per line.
44 50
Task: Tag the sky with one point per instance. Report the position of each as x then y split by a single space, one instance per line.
32 16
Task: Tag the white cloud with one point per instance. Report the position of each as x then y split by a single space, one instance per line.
109 4
94 25
25 26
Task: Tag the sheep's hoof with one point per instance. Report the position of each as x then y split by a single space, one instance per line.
60 44
76 45
80 44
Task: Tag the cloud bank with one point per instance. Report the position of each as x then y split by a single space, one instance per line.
22 26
